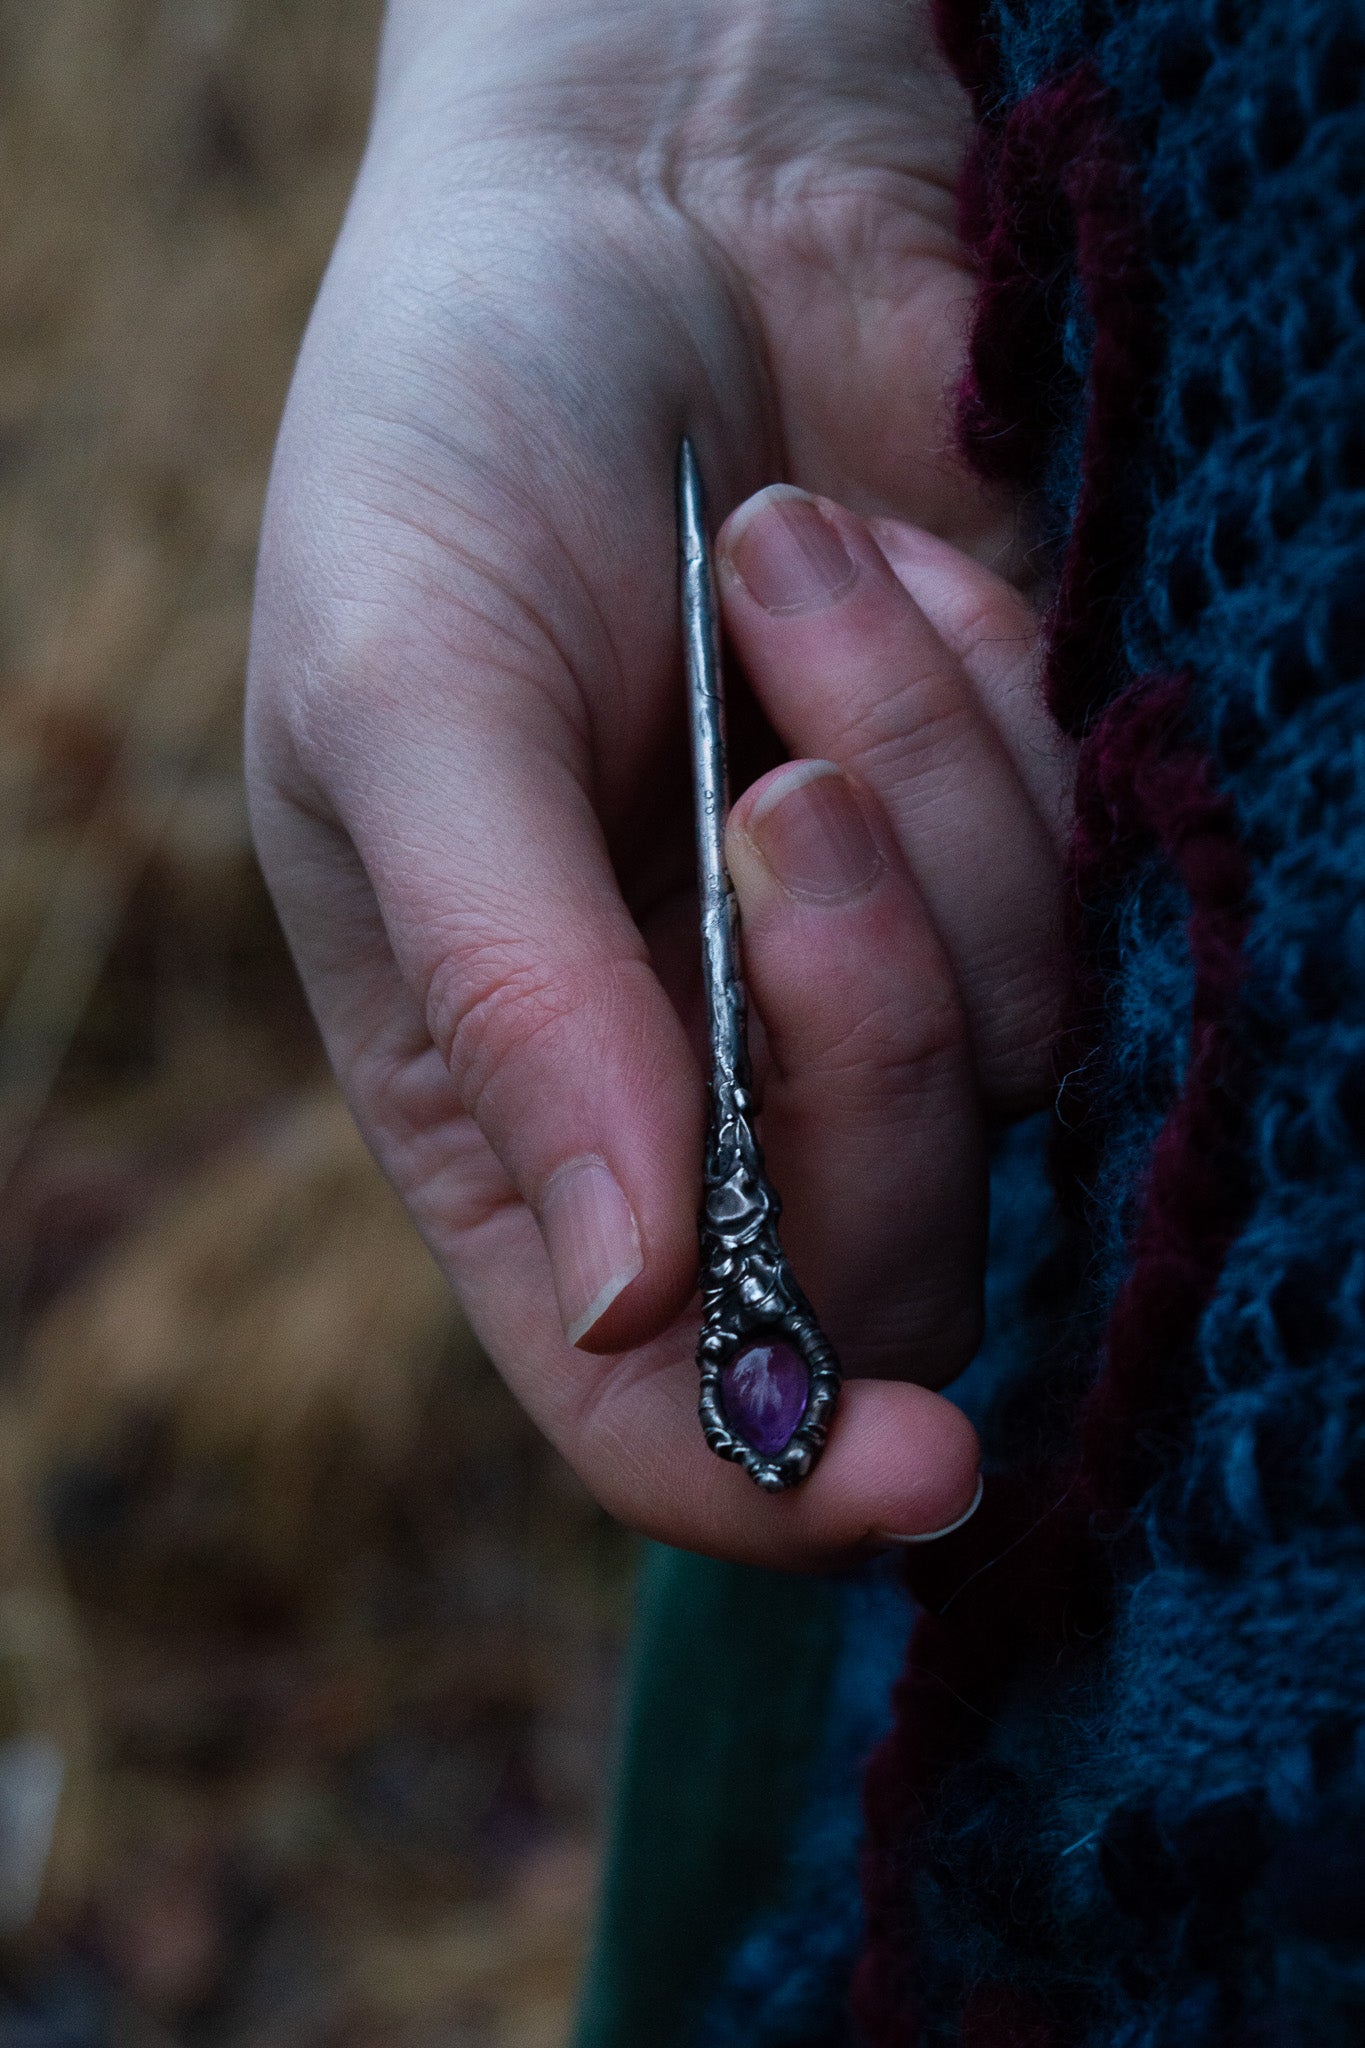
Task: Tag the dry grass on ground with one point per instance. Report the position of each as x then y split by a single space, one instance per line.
306 1644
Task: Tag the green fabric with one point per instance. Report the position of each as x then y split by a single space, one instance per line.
724 1711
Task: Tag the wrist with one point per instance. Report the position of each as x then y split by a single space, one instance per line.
657 88
539 67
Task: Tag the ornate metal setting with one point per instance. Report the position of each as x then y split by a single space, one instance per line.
750 1296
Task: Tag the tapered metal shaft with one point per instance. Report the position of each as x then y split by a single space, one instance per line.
769 1379
706 717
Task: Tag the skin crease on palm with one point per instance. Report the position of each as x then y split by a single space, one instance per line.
580 228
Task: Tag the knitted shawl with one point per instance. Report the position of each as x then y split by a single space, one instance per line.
1123 1801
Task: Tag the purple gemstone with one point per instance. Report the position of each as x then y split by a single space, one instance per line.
764 1391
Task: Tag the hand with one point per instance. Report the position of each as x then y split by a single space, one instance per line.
577 230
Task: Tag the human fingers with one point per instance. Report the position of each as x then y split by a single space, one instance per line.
994 632
901 1462
498 902
848 667
871 1121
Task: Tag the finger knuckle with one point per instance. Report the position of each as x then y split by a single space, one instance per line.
892 1049
997 627
487 1009
361 674
923 727
1018 1057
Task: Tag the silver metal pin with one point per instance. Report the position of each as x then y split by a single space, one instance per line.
769 1379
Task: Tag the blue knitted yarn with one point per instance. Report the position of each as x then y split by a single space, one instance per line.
1189 1806
1161 1843
786 1984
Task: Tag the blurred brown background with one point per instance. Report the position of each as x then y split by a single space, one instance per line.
307 1645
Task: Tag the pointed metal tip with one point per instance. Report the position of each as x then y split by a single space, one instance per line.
689 471
691 502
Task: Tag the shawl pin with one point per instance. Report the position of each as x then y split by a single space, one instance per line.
769 1378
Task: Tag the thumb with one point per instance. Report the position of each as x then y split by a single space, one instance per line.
501 913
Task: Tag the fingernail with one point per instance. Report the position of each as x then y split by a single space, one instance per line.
810 829
787 554
594 1245
933 1535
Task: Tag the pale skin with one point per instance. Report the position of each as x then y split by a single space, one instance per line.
581 228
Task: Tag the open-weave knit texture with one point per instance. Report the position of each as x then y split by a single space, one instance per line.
1142 1819
787 1983
1124 1802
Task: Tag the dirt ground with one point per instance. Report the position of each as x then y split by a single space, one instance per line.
307 1645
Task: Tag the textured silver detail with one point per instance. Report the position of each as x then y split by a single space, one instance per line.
749 1292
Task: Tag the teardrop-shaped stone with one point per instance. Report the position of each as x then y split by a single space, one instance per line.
764 1390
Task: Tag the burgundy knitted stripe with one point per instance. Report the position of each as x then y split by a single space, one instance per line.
1012 1578
966 39
1084 659
1146 779
1062 140
1027 1575
1023 244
